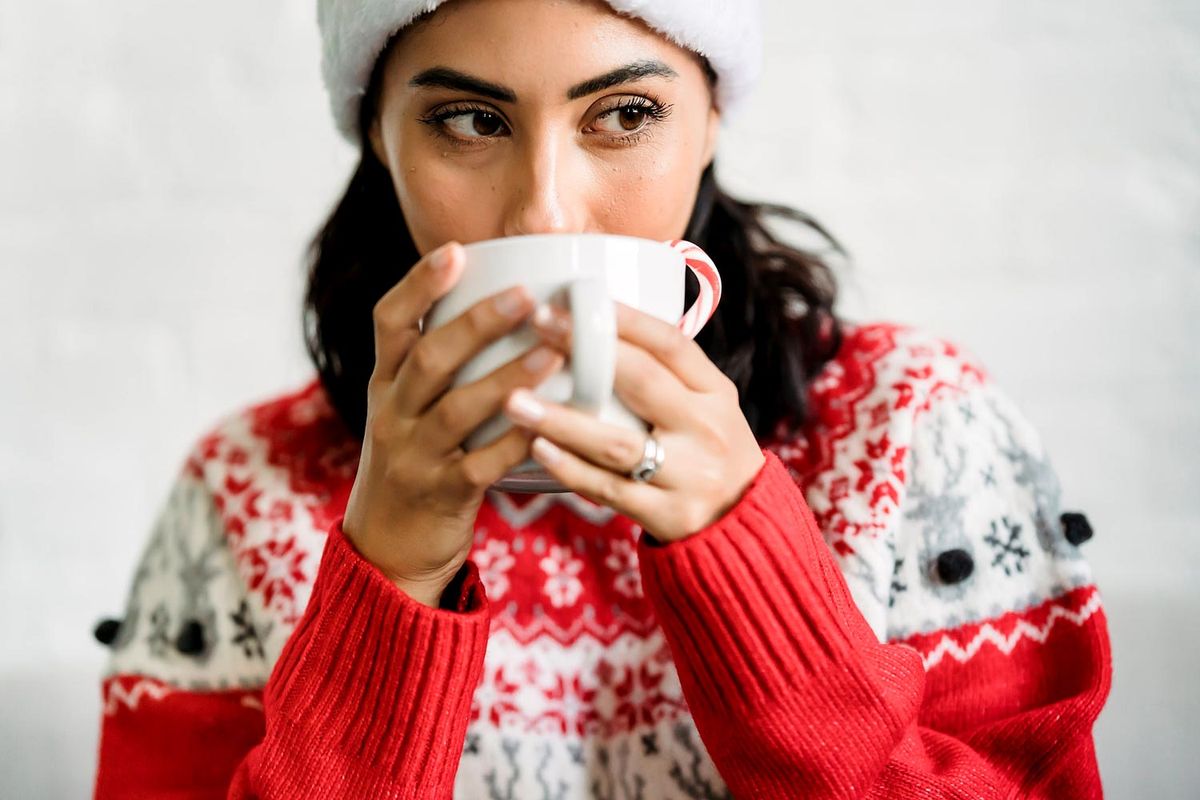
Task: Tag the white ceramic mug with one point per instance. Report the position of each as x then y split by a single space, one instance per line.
583 273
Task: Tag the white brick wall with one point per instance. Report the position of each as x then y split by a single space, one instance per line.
1022 177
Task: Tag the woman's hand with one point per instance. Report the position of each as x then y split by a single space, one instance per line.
662 377
412 509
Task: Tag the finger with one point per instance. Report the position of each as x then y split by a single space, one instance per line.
661 339
460 411
436 357
650 390
595 483
479 469
397 314
612 447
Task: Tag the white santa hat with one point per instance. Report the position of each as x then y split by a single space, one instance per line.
354 32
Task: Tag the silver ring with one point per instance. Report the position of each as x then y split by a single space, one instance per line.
653 456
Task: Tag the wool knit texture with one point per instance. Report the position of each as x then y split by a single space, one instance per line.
806 644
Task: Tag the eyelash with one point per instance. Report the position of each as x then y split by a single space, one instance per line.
651 106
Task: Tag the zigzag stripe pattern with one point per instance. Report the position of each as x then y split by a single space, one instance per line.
118 694
1005 643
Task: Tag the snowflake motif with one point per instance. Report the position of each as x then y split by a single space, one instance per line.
248 635
1010 553
280 511
495 697
274 568
562 586
638 695
623 562
571 709
879 414
989 475
493 561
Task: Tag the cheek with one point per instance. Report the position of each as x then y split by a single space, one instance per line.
441 202
649 191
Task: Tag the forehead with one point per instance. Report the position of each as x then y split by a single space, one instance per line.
533 46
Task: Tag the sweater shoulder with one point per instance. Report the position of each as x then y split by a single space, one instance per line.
912 452
906 365
882 377
292 443
851 458
231 554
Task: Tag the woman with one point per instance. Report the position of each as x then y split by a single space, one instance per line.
850 575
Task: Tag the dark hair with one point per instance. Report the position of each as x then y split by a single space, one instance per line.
773 330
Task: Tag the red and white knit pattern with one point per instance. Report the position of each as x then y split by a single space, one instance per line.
911 451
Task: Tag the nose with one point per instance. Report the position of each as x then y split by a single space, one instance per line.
547 187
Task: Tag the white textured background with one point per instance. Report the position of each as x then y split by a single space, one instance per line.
1020 176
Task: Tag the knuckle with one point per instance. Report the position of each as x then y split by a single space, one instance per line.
479 321
379 430
384 318
448 412
474 473
609 490
426 359
621 452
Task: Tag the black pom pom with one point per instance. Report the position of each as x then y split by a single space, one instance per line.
191 639
1076 527
955 566
106 630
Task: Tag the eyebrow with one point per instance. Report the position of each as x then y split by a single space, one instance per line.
453 79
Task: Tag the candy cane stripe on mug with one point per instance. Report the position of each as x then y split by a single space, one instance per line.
710 287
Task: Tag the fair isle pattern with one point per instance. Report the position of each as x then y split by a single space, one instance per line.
664 760
560 577
586 689
579 692
187 573
913 451
1008 631
981 484
127 691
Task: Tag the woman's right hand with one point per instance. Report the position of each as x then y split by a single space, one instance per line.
412 508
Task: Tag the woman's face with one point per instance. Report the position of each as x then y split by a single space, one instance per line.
507 117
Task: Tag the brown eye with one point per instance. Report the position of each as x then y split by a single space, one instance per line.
632 118
486 124
474 124
627 119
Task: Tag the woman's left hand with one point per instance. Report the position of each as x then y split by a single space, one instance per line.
666 379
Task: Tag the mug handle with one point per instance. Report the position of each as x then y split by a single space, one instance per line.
705 305
595 318
593 310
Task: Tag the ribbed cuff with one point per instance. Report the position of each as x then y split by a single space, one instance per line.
373 689
753 604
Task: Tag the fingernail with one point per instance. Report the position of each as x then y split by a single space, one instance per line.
523 408
538 359
512 303
545 450
440 258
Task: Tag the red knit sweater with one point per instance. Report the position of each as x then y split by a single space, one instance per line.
896 607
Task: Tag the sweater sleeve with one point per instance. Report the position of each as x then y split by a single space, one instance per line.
369 697
795 695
